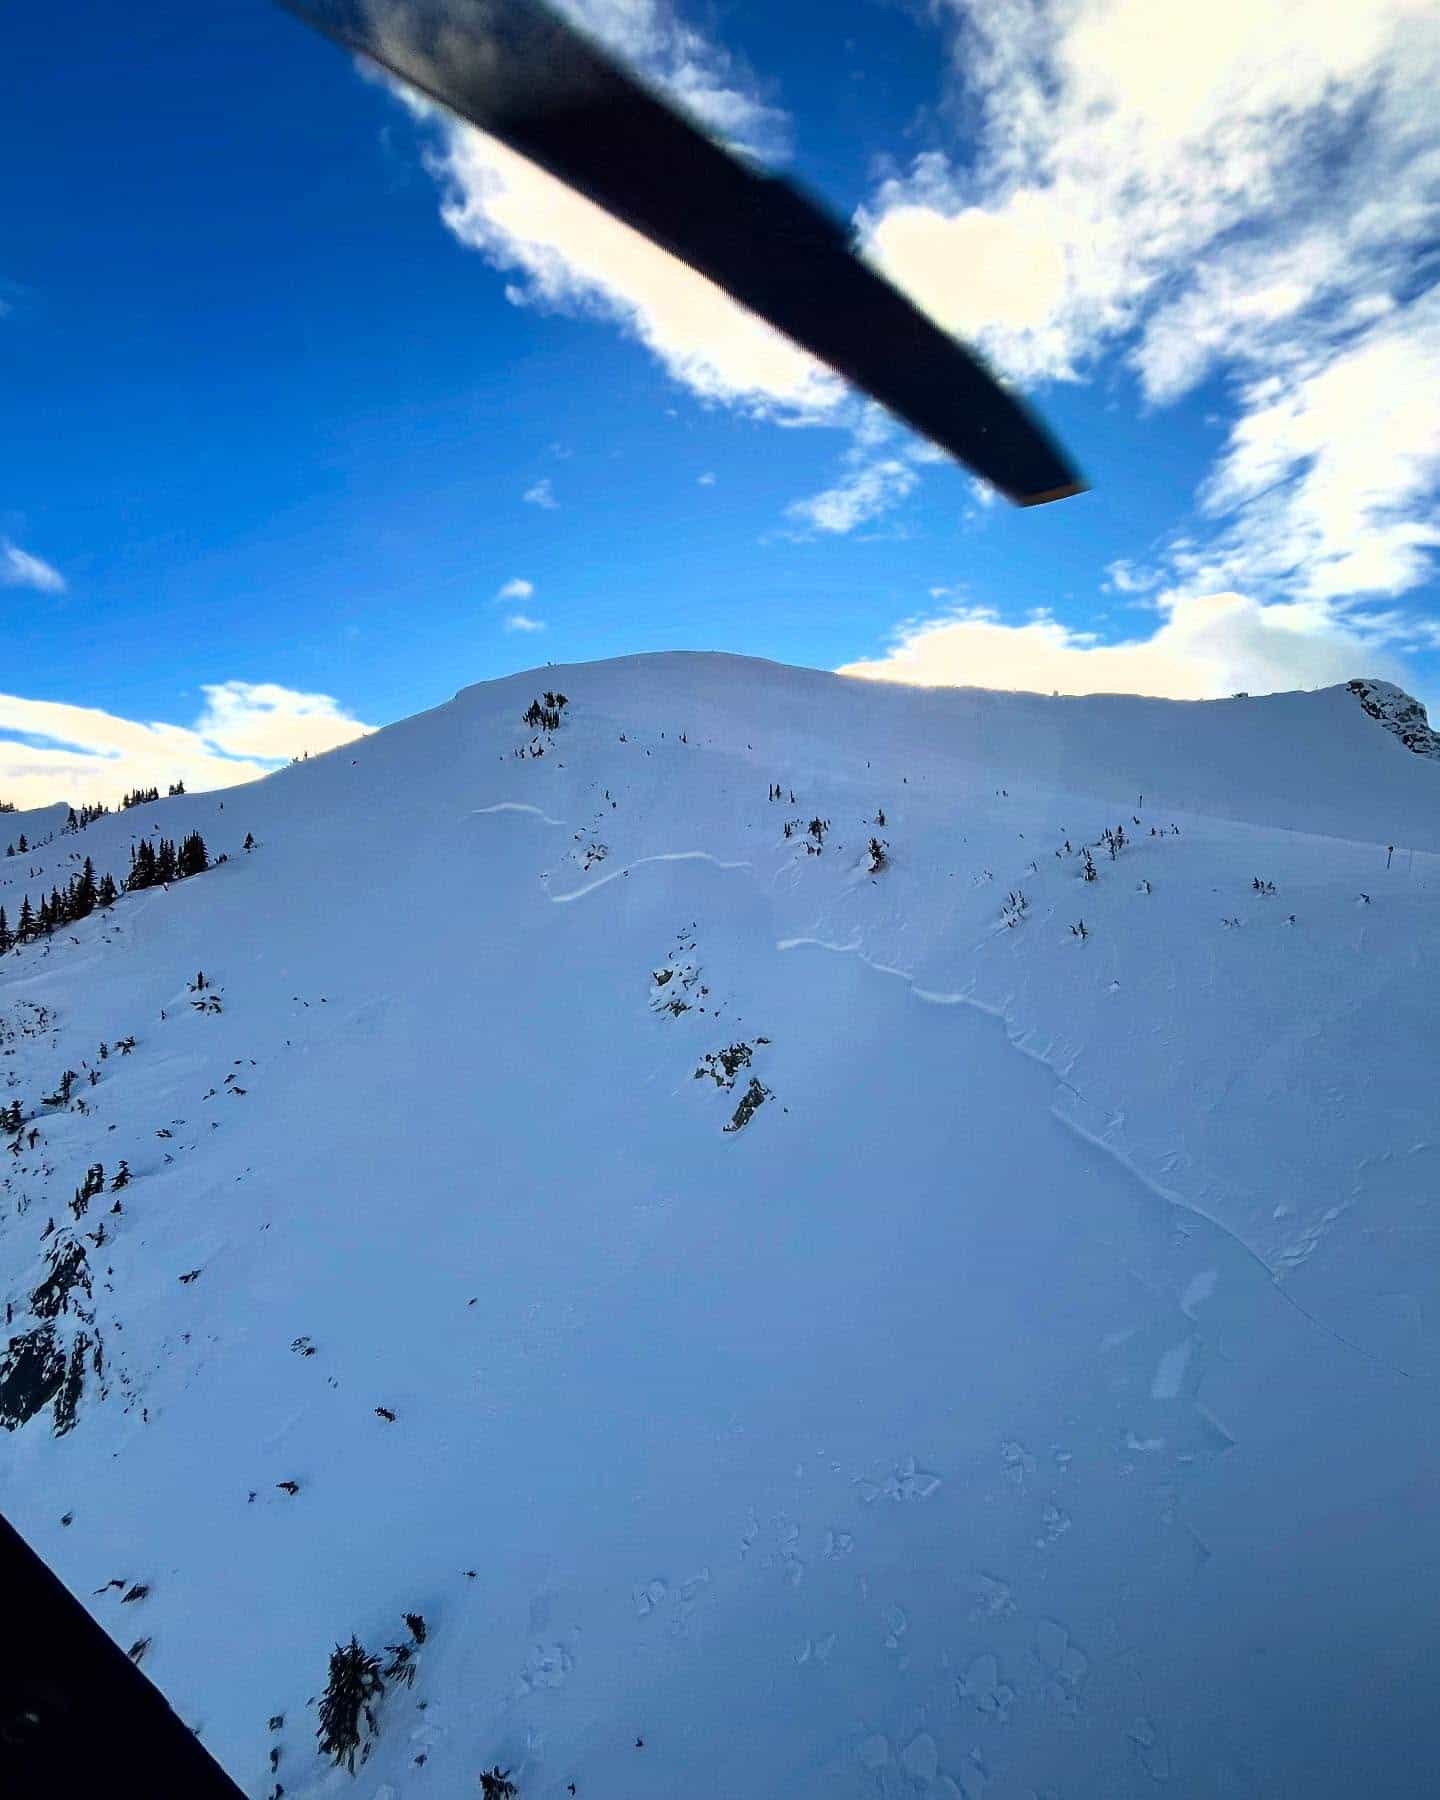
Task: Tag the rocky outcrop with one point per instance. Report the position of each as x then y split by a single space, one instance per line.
1398 713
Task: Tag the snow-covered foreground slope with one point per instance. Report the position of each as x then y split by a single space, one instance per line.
1036 1394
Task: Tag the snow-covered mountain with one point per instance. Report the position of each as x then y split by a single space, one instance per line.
794 1313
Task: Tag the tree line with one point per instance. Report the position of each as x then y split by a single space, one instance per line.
78 817
151 865
143 796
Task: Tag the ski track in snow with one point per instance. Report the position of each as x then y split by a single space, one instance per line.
515 806
640 862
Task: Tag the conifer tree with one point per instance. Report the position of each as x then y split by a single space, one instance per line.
355 1685
86 894
142 865
7 937
194 858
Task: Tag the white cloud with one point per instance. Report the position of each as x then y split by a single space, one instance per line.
568 254
981 490
262 719
880 470
1125 578
1251 190
995 276
867 491
523 622
1203 647
52 751
516 589
541 494
1330 475
19 568
706 480
1111 154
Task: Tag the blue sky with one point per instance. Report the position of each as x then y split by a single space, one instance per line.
295 384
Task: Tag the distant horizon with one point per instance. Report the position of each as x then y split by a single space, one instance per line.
537 671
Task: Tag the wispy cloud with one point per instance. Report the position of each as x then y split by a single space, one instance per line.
981 492
1253 191
708 82
706 480
21 568
52 751
1124 577
869 490
1330 477
523 622
1293 145
541 494
516 589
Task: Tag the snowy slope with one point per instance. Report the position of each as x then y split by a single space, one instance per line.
1035 1395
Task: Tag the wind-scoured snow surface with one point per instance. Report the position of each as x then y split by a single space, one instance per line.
840 1343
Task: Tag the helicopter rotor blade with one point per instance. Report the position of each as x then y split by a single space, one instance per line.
520 72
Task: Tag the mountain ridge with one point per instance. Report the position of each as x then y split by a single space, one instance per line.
943 1425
